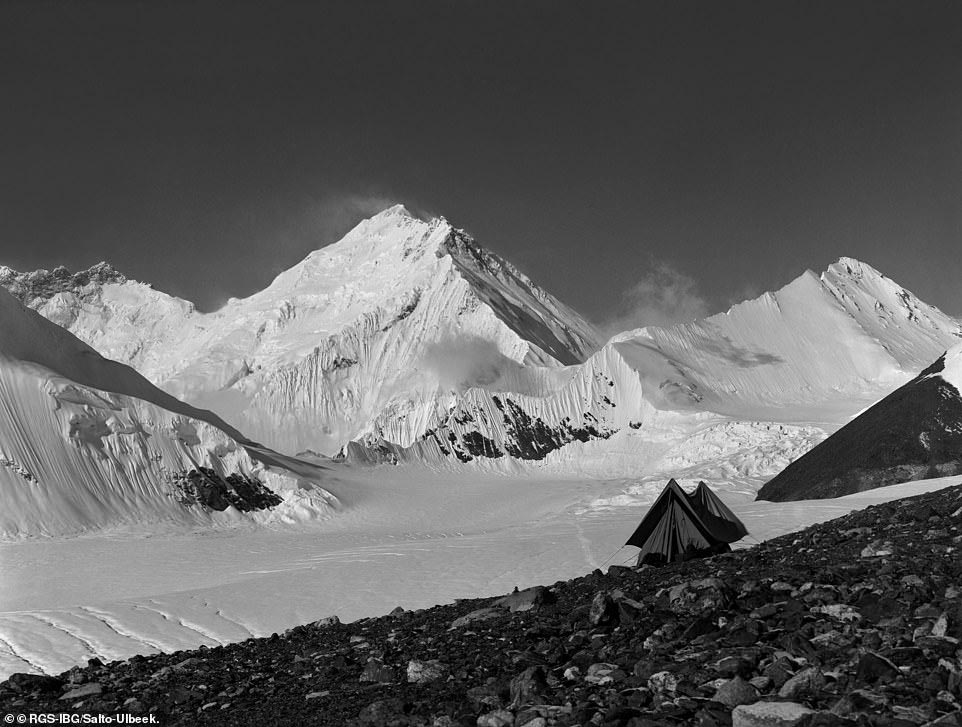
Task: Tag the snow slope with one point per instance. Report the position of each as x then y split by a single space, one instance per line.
913 433
87 443
365 337
846 332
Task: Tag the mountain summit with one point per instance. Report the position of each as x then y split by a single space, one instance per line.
368 336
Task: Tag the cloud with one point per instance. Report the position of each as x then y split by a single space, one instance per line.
335 215
663 297
460 362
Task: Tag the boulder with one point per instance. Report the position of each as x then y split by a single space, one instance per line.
526 600
736 691
771 714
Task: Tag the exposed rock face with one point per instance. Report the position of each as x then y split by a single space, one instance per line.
800 630
913 433
31 287
203 486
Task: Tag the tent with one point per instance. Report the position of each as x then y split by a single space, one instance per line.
721 521
680 526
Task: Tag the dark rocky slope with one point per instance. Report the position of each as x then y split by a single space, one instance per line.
913 433
853 622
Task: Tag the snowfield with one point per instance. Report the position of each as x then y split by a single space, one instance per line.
406 537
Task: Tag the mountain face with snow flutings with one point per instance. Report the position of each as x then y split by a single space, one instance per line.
913 433
87 443
368 337
407 341
803 353
849 330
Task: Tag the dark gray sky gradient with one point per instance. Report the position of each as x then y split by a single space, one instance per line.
206 146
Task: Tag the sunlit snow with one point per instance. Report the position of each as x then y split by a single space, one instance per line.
407 539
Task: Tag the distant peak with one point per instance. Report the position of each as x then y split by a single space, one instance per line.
47 283
395 210
399 211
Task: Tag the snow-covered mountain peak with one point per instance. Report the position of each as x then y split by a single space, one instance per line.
378 255
853 268
367 336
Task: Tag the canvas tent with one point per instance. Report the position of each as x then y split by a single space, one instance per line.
680 526
721 521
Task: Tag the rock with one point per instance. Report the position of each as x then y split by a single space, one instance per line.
858 700
707 594
779 671
182 695
766 611
830 640
498 718
953 719
327 622
838 611
629 610
804 683
134 706
188 664
731 666
22 682
603 611
376 671
528 687
482 614
663 682
87 690
877 550
381 712
525 600
485 696
425 672
872 667
761 683
770 714
535 722
736 691
602 673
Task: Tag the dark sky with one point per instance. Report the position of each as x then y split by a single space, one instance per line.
694 153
